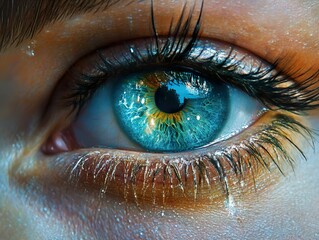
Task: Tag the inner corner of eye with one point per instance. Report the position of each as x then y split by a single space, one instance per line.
159 111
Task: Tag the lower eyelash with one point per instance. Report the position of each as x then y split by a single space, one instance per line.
166 178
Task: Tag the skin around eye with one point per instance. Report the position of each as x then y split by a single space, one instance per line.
265 150
47 194
99 123
240 158
180 180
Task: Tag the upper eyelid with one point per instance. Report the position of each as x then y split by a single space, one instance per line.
101 38
190 24
262 80
101 44
79 8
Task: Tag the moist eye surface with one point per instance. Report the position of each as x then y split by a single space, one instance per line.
171 111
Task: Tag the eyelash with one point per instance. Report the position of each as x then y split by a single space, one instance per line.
265 84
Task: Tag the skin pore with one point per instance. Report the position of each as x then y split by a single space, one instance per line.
278 207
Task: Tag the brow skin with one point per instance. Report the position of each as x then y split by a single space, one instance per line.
22 19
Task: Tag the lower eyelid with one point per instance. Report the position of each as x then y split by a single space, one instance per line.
180 180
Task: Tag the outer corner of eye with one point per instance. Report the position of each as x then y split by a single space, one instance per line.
243 111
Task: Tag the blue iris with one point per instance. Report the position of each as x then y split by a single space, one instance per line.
171 111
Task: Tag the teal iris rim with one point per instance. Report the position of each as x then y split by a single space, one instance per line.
171 111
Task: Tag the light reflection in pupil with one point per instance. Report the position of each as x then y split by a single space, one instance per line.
170 100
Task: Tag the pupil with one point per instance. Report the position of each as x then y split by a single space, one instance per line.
168 100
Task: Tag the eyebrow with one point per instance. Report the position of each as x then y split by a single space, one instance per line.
22 19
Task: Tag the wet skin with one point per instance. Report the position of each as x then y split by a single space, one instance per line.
35 203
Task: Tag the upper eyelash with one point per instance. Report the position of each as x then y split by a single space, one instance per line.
174 48
295 97
85 85
299 96
259 83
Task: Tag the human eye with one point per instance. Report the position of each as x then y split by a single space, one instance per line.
160 119
178 117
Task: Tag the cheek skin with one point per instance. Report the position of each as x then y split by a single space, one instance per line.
248 215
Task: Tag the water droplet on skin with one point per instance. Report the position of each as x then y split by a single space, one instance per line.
30 49
131 22
242 184
230 205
